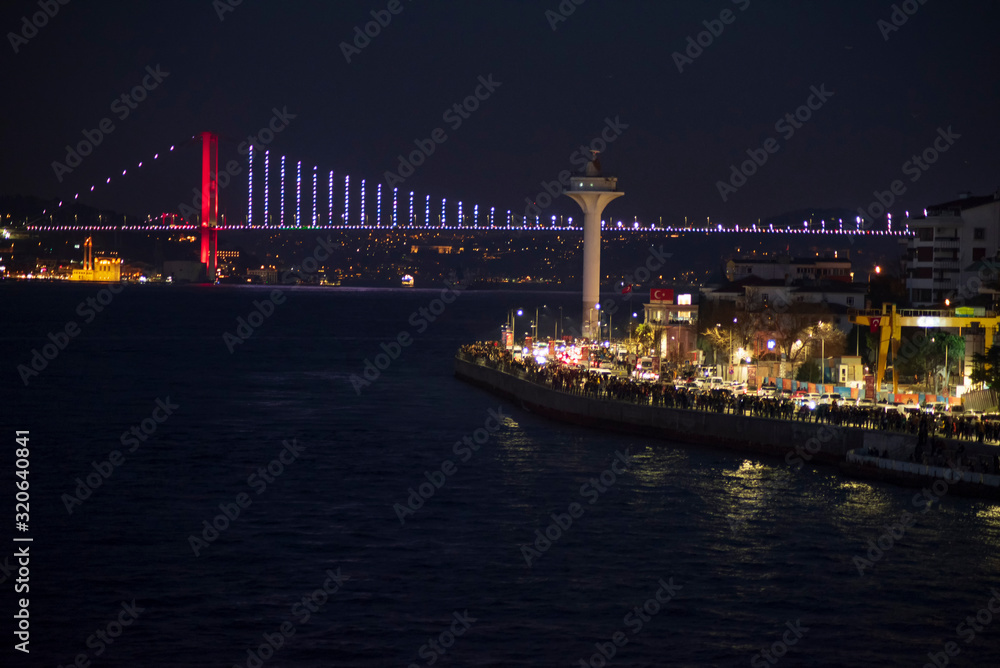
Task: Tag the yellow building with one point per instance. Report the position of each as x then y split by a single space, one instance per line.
104 269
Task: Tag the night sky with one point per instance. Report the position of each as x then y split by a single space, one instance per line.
892 91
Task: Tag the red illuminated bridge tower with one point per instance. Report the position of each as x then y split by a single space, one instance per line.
209 202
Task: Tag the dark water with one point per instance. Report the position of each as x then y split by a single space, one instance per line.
748 546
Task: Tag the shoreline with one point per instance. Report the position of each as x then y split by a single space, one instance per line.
798 442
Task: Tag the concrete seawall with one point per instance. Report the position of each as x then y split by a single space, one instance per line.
794 440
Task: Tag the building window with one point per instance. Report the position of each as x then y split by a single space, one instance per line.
978 254
979 233
926 234
850 301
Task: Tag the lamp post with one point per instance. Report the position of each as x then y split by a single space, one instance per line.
715 352
519 312
878 271
597 307
731 332
822 354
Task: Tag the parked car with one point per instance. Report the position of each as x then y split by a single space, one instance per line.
829 398
865 403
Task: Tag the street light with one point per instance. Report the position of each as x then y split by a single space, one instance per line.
822 354
519 312
715 352
730 362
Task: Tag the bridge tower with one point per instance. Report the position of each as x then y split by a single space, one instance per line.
209 202
593 192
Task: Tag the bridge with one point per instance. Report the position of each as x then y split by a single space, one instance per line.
275 203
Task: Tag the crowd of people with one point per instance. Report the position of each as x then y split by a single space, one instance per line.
583 381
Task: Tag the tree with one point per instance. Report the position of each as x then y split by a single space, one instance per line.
946 348
922 356
644 336
809 372
986 368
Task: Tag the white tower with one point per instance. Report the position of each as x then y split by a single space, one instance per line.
593 192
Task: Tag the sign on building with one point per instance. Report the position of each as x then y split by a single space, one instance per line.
661 295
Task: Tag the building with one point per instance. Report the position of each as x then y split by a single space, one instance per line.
265 275
184 271
440 250
948 240
832 298
786 268
674 323
103 269
228 262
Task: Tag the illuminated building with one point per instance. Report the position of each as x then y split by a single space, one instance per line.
948 239
103 269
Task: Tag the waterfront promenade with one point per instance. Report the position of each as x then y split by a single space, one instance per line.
921 439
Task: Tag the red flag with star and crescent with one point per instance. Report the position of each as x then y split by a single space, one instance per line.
875 324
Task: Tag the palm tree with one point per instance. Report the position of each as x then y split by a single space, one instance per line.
644 335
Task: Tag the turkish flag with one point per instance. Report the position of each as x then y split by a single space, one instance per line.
627 289
875 323
661 295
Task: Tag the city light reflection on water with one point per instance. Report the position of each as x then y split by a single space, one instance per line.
754 542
